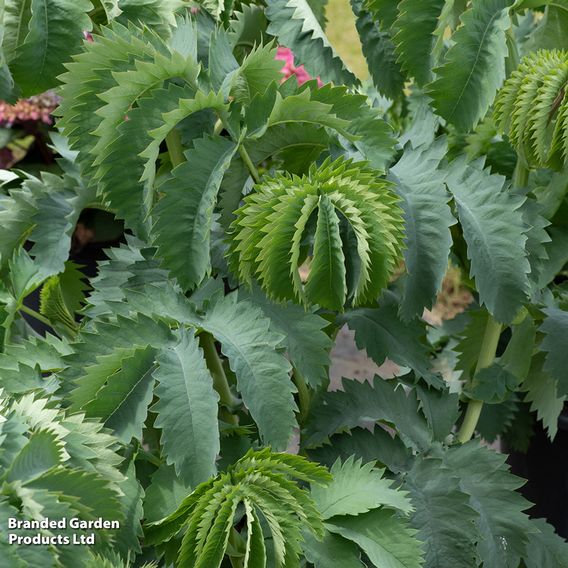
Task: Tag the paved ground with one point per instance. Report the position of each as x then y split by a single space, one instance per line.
348 361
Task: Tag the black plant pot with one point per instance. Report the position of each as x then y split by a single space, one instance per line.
545 466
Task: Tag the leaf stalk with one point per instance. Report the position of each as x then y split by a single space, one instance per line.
520 175
486 357
220 382
303 395
175 147
247 160
35 315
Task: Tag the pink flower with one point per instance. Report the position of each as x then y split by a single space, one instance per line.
35 108
285 54
88 36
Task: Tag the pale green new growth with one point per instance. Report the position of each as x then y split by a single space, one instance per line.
273 225
265 484
532 109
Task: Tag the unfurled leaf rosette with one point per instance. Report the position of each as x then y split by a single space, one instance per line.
532 109
341 223
54 464
261 485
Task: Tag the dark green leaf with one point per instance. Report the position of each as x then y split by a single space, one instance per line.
384 538
443 517
495 234
416 23
382 334
187 410
379 401
555 328
332 552
474 67
55 33
184 215
379 51
428 219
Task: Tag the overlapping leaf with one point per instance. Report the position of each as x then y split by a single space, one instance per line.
55 29
555 328
443 516
187 410
495 235
185 214
427 221
416 23
358 402
474 67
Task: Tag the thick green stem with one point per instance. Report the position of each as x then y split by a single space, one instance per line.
149 457
35 315
220 383
491 337
486 357
520 175
175 148
246 159
303 395
242 151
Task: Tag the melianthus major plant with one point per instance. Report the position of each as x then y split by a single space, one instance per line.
173 391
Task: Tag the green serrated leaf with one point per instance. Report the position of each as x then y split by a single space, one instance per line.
382 334
358 488
492 384
542 393
332 552
375 137
503 526
428 218
156 14
441 409
495 235
379 401
474 67
326 283
262 373
255 551
379 51
307 344
443 517
55 33
555 328
545 549
122 403
384 538
42 452
417 20
184 215
16 16
187 410
164 494
498 419
378 445
130 533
